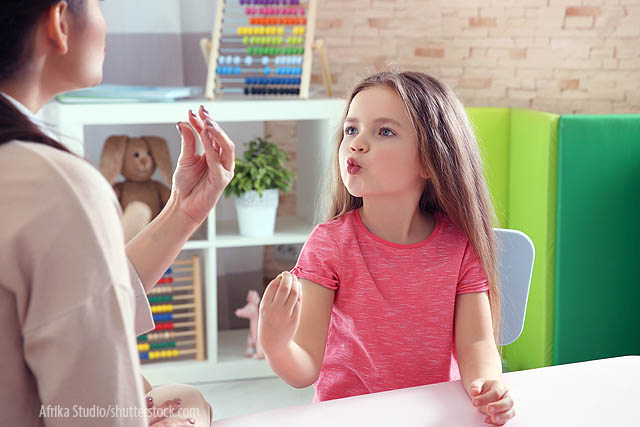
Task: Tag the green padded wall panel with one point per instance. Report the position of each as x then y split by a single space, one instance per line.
491 126
532 209
597 290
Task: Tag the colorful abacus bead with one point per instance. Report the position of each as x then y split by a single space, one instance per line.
162 308
164 326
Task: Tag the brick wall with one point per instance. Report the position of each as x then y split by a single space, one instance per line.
565 57
579 56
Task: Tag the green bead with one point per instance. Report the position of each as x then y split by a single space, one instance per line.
142 337
161 345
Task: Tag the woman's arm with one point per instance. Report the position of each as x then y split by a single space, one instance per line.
198 183
293 328
154 249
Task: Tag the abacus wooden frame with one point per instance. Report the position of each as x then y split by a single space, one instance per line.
216 35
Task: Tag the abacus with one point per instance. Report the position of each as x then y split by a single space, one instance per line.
176 305
261 47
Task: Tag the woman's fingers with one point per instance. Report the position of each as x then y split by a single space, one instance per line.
174 422
227 147
209 150
211 127
165 410
188 141
195 122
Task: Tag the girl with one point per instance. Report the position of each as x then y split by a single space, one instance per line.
71 295
399 288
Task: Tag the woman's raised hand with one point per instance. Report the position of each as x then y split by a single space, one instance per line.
200 179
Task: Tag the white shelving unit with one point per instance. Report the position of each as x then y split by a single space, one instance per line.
317 123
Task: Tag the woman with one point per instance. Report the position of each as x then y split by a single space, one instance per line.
69 289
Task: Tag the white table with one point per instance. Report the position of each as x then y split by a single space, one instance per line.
597 393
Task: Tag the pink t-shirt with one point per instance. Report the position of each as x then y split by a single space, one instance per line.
392 318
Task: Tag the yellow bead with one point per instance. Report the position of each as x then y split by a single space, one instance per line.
280 31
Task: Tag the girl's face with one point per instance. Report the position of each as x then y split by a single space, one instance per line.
379 153
82 65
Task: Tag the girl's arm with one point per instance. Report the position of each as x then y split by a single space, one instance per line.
293 327
478 358
475 346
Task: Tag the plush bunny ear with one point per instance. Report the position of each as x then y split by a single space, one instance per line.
160 152
112 157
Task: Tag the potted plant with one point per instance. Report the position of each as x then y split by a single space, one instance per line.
258 177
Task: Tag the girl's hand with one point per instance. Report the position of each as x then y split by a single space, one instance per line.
279 312
492 398
200 179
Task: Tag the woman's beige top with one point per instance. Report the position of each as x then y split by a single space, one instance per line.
68 296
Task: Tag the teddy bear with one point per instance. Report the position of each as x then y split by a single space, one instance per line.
141 197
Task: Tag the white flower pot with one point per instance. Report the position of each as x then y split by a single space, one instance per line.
257 215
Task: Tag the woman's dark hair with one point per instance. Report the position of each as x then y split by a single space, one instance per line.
18 24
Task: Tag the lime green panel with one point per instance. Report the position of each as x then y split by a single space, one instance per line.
491 126
597 286
532 209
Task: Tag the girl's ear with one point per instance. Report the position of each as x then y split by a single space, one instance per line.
58 26
424 174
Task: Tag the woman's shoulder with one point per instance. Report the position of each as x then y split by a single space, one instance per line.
47 171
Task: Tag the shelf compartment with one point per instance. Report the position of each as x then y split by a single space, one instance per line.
289 230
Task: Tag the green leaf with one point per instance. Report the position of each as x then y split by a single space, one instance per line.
263 166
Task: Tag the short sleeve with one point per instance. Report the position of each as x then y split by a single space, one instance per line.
319 259
143 318
472 277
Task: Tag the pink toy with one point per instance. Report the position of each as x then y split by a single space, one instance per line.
251 311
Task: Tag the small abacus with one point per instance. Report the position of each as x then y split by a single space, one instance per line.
261 47
176 305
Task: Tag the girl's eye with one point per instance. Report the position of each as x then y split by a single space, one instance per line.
386 132
136 154
350 130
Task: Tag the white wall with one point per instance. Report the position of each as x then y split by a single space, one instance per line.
158 16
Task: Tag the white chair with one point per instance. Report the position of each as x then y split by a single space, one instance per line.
515 258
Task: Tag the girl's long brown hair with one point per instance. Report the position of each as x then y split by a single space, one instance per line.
450 155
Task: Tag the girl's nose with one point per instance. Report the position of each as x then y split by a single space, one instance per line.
358 145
